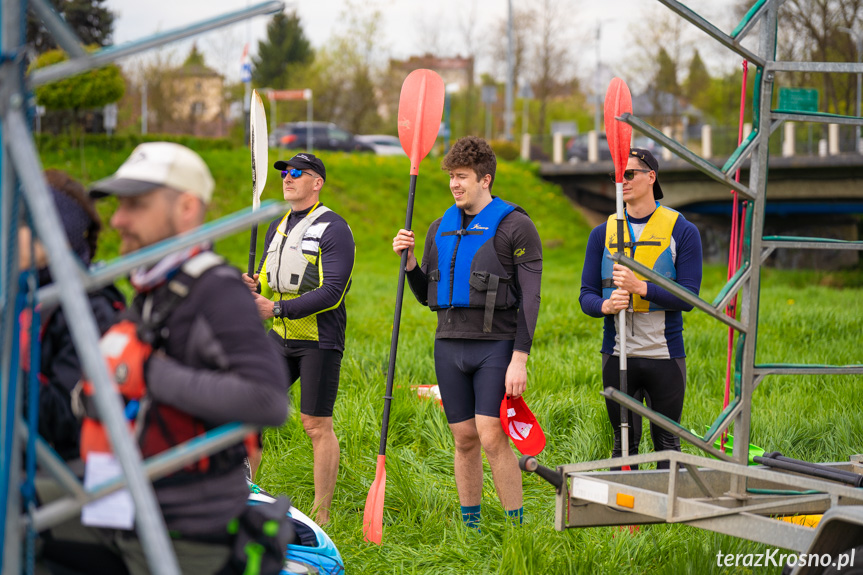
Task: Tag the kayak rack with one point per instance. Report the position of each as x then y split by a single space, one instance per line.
23 191
724 494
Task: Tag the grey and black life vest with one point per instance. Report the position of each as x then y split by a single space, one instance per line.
158 426
466 271
293 260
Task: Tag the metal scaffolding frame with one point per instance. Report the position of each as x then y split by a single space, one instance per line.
22 187
722 494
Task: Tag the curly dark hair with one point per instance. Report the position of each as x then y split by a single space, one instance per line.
63 183
474 153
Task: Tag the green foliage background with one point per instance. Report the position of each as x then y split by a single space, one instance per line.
91 89
811 317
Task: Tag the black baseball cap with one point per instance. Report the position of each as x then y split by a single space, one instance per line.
304 161
647 158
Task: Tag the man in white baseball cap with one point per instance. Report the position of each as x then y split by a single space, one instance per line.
155 165
204 358
163 190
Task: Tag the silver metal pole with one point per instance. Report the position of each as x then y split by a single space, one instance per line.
144 111
751 296
596 87
273 108
10 84
621 324
60 31
113 53
247 110
150 524
510 65
224 226
309 115
857 37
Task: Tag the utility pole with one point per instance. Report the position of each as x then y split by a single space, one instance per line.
597 116
857 37
510 64
144 110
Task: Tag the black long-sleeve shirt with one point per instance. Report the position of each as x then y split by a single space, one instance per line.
326 303
519 250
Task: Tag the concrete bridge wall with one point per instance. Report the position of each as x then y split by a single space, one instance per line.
807 196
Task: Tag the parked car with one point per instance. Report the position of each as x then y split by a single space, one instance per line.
325 136
576 148
383 144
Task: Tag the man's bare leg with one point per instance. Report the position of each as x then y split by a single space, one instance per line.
325 446
468 462
502 460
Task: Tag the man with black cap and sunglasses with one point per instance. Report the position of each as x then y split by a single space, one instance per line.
302 280
670 245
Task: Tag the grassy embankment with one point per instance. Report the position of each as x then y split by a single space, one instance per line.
805 317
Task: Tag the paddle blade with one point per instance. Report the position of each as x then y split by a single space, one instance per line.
258 146
618 101
420 112
373 515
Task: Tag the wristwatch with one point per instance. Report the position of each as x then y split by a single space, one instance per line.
277 309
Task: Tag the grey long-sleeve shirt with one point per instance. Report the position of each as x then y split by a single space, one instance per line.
218 365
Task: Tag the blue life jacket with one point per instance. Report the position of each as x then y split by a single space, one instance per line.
467 270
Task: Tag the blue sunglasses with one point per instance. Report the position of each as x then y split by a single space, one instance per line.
295 173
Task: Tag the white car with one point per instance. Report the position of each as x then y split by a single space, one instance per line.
383 144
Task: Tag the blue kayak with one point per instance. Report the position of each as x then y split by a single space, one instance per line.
313 551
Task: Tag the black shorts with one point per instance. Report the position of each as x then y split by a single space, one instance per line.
471 376
318 372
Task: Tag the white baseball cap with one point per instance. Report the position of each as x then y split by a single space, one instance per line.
155 165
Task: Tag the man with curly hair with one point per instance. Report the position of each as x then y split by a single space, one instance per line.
481 271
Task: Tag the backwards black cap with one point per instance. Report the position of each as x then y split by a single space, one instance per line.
647 158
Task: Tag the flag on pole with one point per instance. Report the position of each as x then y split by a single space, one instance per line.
245 66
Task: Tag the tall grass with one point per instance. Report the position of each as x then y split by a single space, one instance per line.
805 317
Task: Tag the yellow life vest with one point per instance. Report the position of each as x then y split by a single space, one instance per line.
653 249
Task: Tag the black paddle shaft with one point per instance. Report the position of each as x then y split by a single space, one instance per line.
252 247
394 342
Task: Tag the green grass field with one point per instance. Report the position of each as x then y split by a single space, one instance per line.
806 317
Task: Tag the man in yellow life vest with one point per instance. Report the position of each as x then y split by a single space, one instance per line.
669 244
304 276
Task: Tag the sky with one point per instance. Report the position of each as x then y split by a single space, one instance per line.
405 24
414 27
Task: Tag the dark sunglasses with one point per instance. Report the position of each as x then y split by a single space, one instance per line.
295 173
627 174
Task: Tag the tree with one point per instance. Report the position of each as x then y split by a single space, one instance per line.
89 19
90 89
522 31
810 32
345 74
551 52
195 58
665 79
285 48
698 81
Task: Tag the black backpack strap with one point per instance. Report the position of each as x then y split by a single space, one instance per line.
151 319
